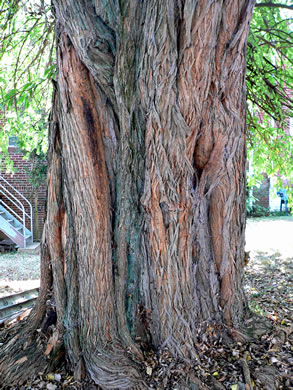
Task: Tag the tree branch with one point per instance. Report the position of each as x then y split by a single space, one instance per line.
274 5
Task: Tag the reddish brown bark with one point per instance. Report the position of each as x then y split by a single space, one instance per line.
146 186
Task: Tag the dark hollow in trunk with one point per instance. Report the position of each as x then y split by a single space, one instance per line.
144 236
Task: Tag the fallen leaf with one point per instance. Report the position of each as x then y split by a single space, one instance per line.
52 342
50 377
49 349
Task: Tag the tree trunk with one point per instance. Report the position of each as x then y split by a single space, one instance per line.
146 185
35 201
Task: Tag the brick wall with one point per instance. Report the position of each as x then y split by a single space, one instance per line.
262 194
21 181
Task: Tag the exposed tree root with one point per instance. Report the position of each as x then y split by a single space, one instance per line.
268 378
21 358
246 373
23 354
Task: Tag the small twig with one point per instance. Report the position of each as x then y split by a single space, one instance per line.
246 373
274 5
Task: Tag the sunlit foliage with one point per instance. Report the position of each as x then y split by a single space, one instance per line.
27 65
270 91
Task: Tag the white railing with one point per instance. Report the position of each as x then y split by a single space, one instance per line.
21 215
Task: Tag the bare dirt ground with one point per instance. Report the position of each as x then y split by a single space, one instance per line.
270 235
269 274
18 272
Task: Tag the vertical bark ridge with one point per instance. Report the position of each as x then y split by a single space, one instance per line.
217 80
130 172
167 194
195 147
92 36
56 219
89 180
102 350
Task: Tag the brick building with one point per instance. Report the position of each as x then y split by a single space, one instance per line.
21 181
265 194
262 193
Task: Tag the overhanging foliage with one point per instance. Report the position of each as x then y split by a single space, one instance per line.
269 90
27 66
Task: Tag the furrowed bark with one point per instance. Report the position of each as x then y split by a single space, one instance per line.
146 186
88 192
195 156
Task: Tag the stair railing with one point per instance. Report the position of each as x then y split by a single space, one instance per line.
18 204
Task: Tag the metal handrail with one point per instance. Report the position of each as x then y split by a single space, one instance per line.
17 200
10 209
22 209
14 200
18 193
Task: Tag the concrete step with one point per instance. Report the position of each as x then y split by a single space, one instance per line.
15 304
33 249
